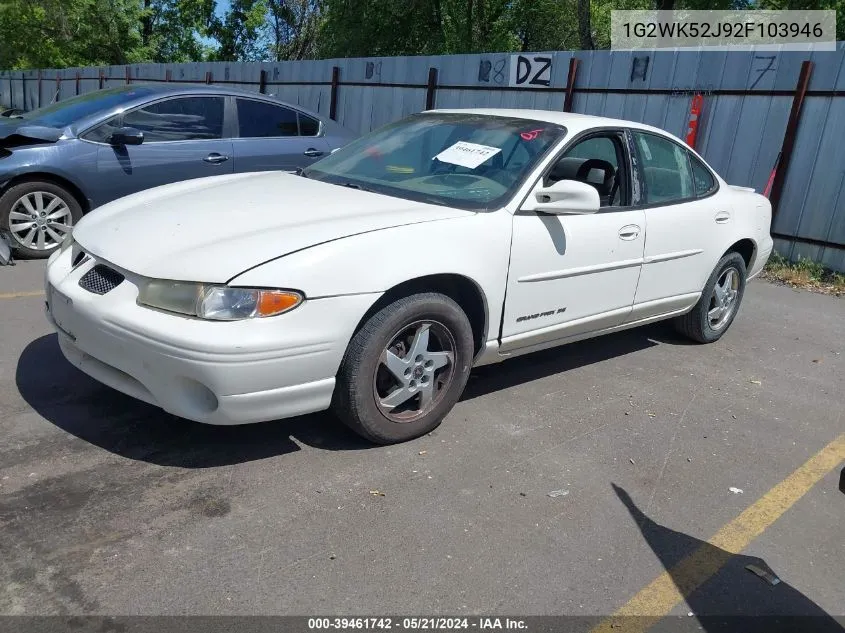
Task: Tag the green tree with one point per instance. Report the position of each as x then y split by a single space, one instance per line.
60 33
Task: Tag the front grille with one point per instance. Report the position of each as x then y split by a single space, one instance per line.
100 279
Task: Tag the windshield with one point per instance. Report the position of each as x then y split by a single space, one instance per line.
469 161
64 113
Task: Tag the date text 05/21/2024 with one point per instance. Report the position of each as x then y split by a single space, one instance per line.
416 624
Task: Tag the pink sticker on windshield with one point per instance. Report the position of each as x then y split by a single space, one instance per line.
530 136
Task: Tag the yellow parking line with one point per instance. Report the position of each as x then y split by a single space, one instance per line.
26 293
670 588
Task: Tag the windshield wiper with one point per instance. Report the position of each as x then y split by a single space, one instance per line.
354 185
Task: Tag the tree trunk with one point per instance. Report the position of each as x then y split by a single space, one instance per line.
585 29
147 23
468 45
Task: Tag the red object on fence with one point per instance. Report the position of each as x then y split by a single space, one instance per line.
768 189
694 114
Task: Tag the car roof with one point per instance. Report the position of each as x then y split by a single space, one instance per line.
574 123
155 90
176 87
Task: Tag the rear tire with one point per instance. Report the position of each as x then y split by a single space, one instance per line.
719 303
404 369
37 215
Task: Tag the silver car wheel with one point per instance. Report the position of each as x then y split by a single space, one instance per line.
723 300
414 371
40 220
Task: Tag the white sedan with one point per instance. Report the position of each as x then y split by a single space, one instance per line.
375 280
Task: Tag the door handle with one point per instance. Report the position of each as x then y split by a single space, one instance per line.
313 152
215 159
630 232
723 217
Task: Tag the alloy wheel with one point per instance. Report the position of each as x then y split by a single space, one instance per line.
723 299
414 371
40 220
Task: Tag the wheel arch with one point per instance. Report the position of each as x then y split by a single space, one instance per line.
55 179
747 248
460 288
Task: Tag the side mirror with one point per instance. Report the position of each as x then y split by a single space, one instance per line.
564 197
127 136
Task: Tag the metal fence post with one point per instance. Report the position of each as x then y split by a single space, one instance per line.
790 134
23 89
78 80
570 84
262 81
40 82
333 101
431 89
58 95
128 75
209 77
102 79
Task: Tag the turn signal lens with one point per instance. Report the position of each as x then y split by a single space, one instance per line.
273 302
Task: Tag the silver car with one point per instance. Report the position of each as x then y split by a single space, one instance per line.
59 162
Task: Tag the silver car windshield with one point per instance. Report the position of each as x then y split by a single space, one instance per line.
64 113
467 160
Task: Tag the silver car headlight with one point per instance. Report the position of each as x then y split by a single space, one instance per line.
217 303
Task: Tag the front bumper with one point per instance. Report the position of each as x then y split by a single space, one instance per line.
213 372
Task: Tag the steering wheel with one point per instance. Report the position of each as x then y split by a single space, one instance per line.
597 163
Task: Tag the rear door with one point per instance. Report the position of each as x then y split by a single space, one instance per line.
183 139
274 137
687 222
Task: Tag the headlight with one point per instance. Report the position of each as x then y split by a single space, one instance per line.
217 303
222 303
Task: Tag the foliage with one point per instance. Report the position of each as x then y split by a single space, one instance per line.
804 273
59 33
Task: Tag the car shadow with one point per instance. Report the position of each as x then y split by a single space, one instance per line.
83 407
721 593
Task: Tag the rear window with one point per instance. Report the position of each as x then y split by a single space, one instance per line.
258 119
704 181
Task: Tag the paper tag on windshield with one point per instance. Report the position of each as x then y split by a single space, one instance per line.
465 154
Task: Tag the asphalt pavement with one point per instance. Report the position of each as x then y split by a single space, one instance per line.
578 481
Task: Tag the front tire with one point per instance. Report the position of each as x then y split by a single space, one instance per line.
404 369
719 303
37 215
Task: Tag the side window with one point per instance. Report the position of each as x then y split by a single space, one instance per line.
180 119
704 181
308 126
257 119
597 161
665 169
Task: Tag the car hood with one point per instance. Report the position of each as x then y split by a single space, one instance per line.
213 229
19 131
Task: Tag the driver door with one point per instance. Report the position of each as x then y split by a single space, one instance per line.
574 274
183 139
